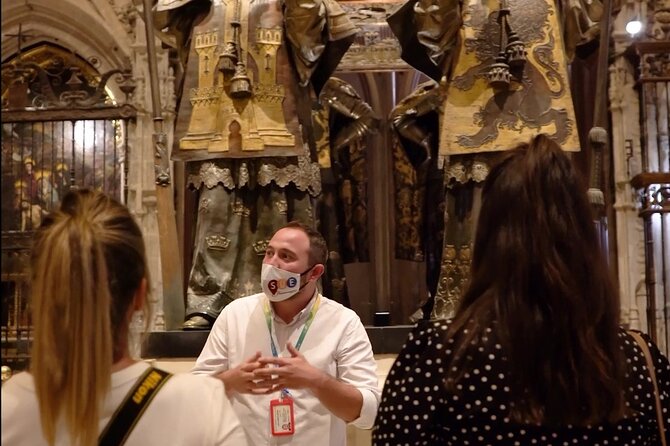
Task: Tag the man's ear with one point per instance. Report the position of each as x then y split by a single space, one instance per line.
140 298
317 271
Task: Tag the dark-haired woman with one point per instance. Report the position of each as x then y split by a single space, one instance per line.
534 354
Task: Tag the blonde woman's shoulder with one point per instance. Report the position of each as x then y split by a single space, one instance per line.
191 409
19 411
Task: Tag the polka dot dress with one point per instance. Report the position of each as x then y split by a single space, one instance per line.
417 410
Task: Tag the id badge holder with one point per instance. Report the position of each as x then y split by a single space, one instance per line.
281 416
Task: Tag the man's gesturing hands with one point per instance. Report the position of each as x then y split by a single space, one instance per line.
241 379
293 373
261 375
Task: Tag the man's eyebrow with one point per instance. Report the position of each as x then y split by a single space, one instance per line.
282 250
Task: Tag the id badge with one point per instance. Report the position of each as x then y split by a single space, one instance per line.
281 416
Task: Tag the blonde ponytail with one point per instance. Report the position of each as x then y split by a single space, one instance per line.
79 286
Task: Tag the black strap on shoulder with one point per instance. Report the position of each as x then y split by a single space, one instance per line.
129 412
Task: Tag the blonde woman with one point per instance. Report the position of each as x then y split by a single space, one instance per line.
89 276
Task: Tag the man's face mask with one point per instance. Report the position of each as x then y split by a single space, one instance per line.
279 284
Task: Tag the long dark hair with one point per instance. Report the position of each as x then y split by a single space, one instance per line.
539 278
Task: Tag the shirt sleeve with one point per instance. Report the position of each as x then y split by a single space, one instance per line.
213 358
225 427
414 392
356 366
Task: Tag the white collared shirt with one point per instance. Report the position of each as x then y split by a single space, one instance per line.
336 343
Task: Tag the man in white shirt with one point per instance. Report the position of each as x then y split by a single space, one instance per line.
297 365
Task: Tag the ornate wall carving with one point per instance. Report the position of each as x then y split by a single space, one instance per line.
375 47
627 160
112 32
141 183
640 154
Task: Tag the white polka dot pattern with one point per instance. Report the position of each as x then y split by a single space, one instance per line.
417 410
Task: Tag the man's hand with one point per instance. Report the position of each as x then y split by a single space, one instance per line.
242 379
293 373
342 399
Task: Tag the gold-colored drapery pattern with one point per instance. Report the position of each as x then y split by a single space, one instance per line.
254 70
503 67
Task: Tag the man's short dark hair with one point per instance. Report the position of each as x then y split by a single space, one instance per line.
318 250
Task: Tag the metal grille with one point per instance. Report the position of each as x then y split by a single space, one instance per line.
60 130
41 161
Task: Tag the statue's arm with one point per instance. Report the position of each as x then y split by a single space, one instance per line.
342 98
581 19
318 33
174 21
427 31
408 120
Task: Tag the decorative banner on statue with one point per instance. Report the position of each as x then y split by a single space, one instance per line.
509 80
236 102
247 90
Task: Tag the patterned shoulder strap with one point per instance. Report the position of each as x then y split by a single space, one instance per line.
129 412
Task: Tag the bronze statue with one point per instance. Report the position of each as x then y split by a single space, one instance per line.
342 120
501 66
253 69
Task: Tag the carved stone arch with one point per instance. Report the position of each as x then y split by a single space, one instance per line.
98 36
108 35
50 66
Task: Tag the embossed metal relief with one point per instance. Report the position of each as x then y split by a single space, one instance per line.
217 242
240 209
234 174
656 66
204 204
282 207
306 175
250 64
250 288
461 170
230 113
260 247
504 90
454 274
375 46
211 174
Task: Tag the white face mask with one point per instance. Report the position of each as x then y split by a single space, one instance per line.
279 284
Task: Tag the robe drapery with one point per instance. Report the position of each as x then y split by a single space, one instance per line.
253 70
504 76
